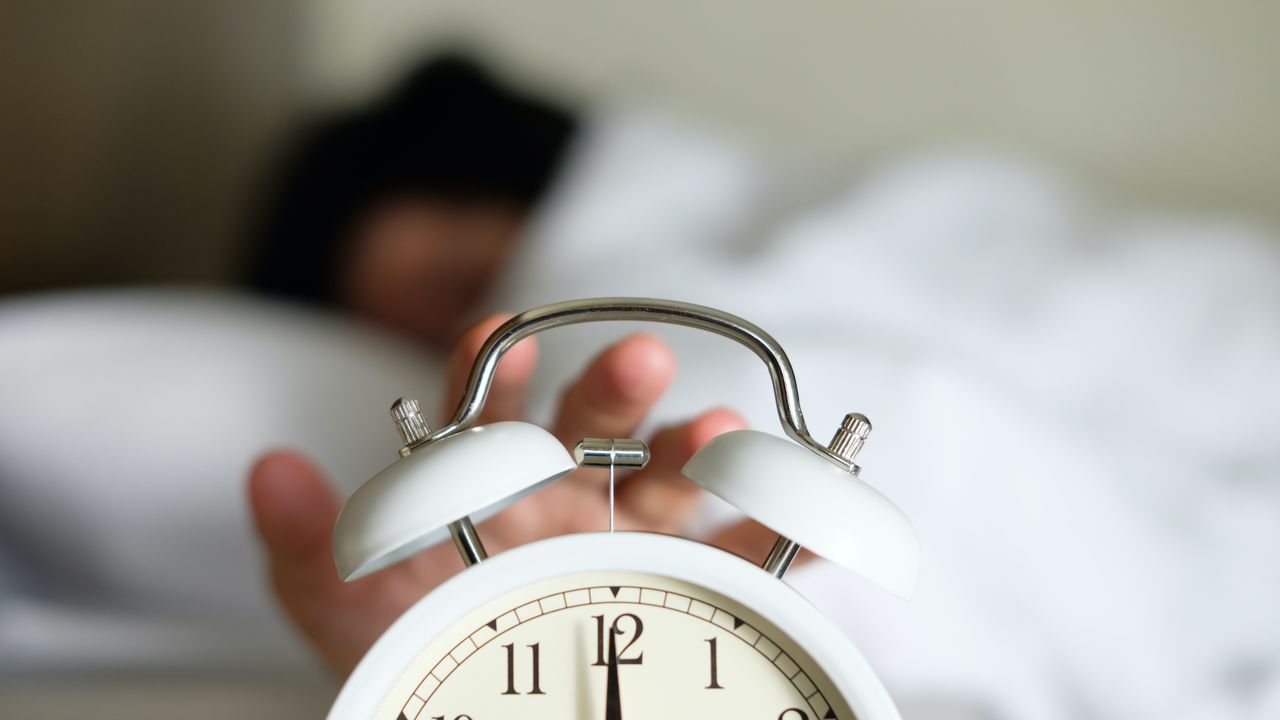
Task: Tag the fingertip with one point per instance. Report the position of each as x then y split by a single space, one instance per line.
469 344
517 363
273 475
636 369
291 503
707 426
279 462
678 443
715 422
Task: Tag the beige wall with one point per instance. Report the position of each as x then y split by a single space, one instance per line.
131 133
1169 101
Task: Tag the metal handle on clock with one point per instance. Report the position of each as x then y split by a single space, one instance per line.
575 312
840 451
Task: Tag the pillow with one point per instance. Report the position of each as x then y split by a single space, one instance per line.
128 422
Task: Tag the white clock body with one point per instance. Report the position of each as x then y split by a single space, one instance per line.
698 633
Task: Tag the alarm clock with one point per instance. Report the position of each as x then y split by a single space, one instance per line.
608 625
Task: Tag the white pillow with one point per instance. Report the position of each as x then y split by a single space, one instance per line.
128 421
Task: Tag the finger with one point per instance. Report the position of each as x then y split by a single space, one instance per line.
660 497
617 390
294 513
507 393
752 541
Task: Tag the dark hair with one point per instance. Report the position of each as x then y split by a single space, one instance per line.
449 130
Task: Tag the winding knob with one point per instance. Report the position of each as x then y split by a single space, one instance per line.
850 437
409 422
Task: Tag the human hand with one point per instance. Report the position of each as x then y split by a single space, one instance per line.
295 510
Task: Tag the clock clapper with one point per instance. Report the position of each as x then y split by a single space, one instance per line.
611 453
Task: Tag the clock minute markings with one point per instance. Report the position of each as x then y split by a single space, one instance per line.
614 653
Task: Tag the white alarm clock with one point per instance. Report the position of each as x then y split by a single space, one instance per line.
618 624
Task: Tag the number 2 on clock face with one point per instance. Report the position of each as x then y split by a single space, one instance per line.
611 645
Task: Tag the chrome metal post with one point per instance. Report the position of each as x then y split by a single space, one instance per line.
780 556
413 429
848 441
467 540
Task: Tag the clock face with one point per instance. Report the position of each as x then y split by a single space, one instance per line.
612 645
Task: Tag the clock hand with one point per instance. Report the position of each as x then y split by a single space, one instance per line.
612 698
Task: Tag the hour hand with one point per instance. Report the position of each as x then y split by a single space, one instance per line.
612 696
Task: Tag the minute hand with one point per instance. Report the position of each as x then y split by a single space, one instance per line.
612 697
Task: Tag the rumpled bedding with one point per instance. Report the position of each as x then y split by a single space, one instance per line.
1075 405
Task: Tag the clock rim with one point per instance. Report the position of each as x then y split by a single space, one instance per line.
677 558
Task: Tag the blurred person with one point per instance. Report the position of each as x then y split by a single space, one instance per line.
1077 404
404 213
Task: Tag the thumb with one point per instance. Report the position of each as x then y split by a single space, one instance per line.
293 509
294 512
